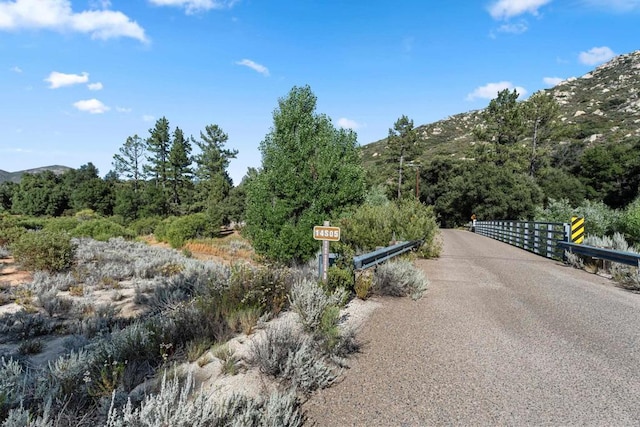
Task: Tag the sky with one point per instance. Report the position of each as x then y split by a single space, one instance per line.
77 77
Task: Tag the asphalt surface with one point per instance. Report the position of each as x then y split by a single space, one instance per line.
502 337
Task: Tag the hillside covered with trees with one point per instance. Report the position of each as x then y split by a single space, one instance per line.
575 142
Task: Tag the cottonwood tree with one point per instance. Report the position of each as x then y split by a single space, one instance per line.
310 172
540 112
401 146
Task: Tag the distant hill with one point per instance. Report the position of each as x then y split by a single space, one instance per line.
17 176
601 106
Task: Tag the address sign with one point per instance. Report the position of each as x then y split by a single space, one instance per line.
326 233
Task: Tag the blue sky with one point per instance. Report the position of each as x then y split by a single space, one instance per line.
77 77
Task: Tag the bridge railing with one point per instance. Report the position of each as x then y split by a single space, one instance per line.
538 237
627 258
376 257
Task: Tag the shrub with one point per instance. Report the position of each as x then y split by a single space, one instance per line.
310 302
363 285
10 234
339 278
186 228
63 223
101 229
145 226
371 226
264 287
30 347
398 279
629 222
287 354
174 406
44 250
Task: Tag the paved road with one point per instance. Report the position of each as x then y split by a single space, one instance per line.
502 337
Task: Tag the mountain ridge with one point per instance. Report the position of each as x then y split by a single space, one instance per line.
16 177
601 106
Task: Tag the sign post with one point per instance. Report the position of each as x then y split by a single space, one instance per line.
326 234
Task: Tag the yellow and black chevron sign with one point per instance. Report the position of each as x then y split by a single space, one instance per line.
577 229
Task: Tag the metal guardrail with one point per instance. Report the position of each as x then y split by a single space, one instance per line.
378 256
628 258
541 238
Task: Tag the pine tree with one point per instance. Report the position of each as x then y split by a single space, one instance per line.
178 169
401 146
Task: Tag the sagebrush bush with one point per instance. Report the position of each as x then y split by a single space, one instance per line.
289 355
398 279
176 405
44 250
310 301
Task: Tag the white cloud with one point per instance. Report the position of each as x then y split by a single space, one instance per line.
123 110
57 80
614 5
92 106
194 6
254 66
552 81
518 28
16 69
148 118
505 9
596 55
345 123
490 90
57 15
95 86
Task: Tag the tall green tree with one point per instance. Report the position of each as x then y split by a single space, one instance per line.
310 172
130 160
179 169
158 147
503 126
213 181
401 146
540 112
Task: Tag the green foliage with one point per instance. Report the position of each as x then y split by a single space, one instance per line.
44 250
188 227
370 226
40 194
339 278
10 234
101 229
611 172
145 226
489 191
63 223
310 172
599 219
401 146
630 222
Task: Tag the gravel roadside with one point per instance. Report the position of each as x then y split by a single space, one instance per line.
502 337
